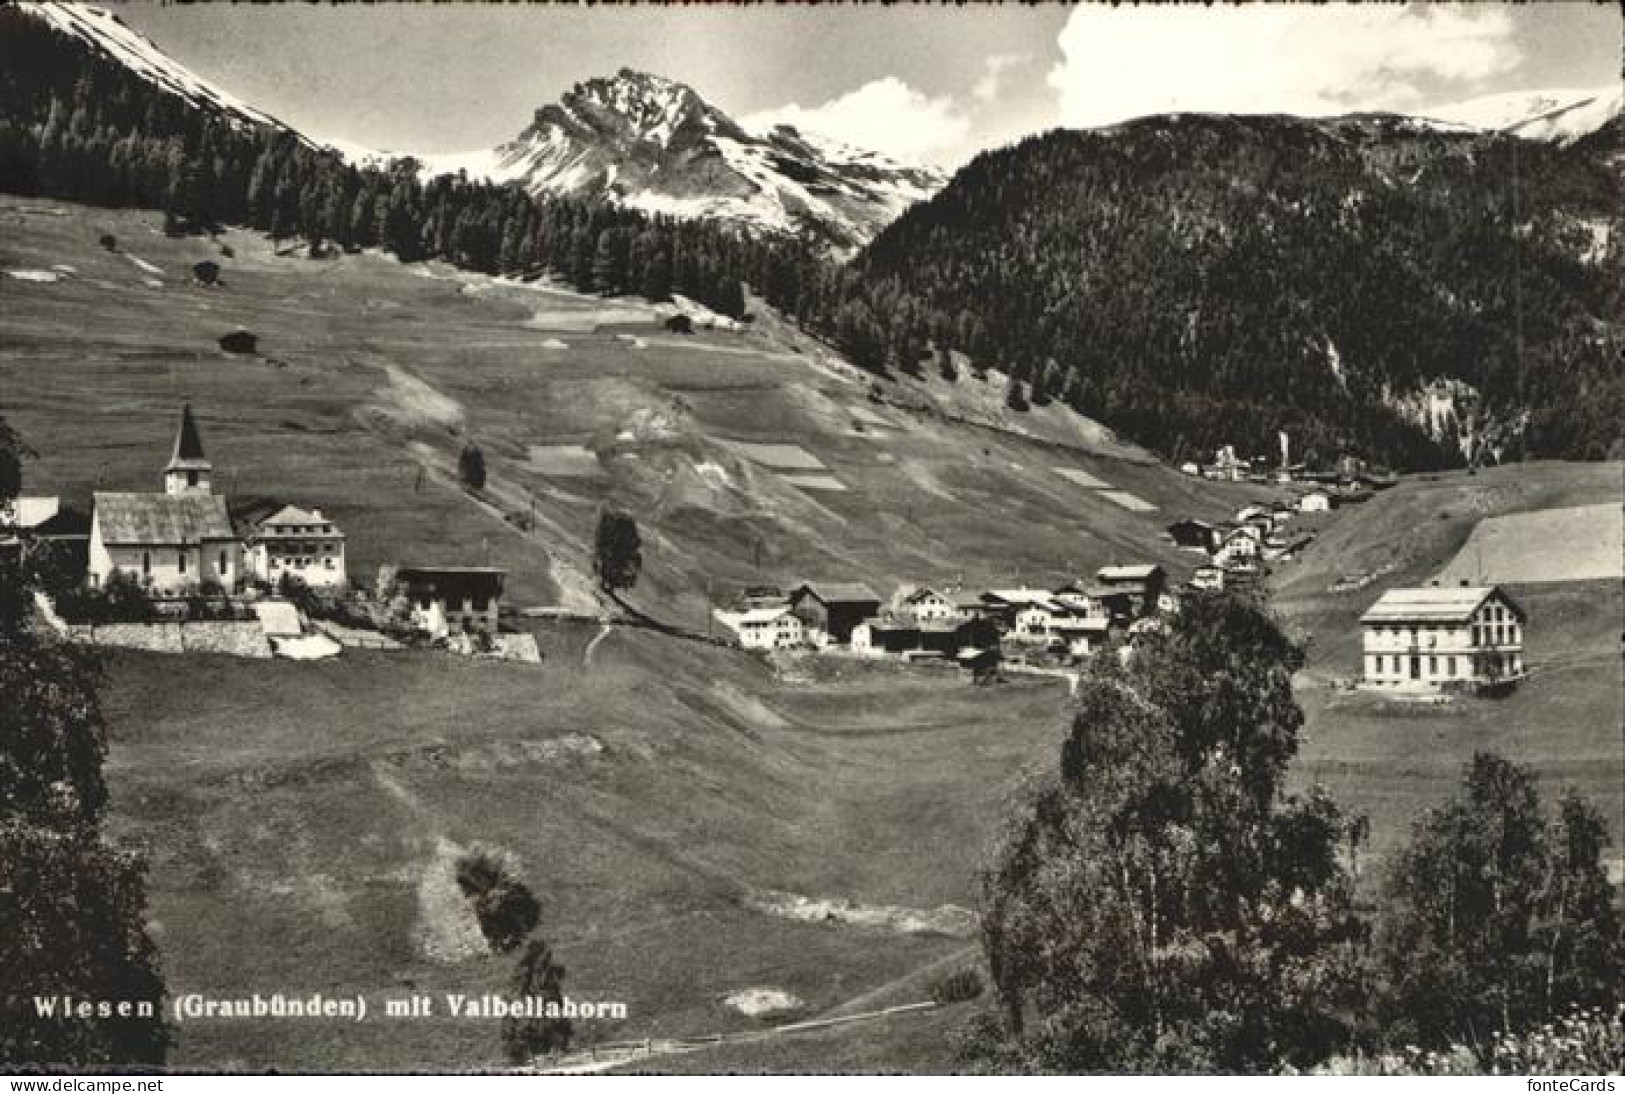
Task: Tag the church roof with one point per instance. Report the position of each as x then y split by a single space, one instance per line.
162 520
188 454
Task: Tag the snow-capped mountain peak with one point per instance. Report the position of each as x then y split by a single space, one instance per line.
653 143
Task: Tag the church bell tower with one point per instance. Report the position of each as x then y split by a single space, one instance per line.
188 469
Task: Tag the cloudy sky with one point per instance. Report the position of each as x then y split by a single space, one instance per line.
933 83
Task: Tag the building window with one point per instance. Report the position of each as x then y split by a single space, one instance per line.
146 563
180 562
222 562
1450 666
191 478
1433 666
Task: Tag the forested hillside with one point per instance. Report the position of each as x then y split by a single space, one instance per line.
1196 280
1370 285
78 125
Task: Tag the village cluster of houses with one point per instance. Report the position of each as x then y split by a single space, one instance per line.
1351 480
185 540
972 627
1237 553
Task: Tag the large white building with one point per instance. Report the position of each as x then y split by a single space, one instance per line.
763 628
298 543
175 543
1433 637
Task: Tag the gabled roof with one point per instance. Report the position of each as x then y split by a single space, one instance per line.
188 454
839 592
162 520
753 615
1140 572
1041 597
293 516
921 593
1432 604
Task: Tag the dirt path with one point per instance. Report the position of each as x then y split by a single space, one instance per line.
586 656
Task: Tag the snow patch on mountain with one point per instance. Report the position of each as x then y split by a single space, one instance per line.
1549 114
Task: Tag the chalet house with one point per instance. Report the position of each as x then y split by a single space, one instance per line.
1081 635
1005 606
297 543
833 608
763 628
927 605
1196 535
453 599
1317 501
1035 621
1208 577
1432 638
174 543
1143 583
1241 546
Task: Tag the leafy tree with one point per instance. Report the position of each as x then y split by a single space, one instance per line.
73 908
1157 902
617 551
1497 920
536 976
505 907
471 466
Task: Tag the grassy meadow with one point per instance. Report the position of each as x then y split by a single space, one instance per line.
302 819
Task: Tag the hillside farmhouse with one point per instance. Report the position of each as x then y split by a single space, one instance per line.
173 543
453 599
833 608
926 605
1143 584
1316 502
776 628
297 543
1194 534
1434 638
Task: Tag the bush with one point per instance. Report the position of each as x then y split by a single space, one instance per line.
506 909
120 599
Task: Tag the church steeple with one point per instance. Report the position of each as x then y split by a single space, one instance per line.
188 469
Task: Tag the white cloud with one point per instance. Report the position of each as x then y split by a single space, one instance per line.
993 70
885 115
1125 62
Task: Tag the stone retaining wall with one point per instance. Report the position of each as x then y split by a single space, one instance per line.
238 638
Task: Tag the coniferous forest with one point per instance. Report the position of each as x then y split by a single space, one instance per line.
1190 281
